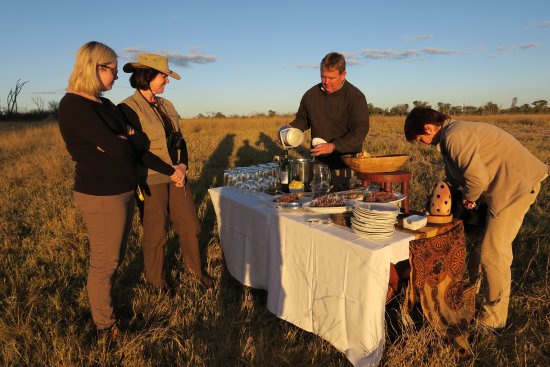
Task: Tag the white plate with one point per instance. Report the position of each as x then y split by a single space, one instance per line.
328 209
372 235
387 225
376 207
398 198
317 141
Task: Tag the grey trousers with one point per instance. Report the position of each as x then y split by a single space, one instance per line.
108 221
497 256
168 200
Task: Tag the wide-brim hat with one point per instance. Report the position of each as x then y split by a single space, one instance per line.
153 61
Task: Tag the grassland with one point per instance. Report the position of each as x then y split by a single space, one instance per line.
44 314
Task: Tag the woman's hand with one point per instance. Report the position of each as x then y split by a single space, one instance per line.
183 168
469 204
178 177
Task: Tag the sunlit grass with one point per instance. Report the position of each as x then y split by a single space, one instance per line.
44 313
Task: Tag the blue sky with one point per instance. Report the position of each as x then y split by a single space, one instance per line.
242 57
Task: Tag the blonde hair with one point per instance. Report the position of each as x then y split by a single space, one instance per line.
84 77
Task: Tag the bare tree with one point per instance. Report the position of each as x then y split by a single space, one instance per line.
53 107
12 96
39 103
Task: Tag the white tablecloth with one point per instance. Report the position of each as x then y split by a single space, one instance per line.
322 278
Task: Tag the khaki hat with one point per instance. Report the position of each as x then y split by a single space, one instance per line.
157 62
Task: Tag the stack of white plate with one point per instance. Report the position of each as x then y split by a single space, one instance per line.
374 220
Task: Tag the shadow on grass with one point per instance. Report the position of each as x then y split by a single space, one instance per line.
211 176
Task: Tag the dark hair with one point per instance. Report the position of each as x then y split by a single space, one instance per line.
334 60
141 77
418 118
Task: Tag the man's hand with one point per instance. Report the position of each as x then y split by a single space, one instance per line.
323 149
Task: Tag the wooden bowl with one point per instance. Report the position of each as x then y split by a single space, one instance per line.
376 163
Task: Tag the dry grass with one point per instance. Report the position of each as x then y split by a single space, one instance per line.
44 315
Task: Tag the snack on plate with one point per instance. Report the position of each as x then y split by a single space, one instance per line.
296 186
363 154
351 194
379 196
287 198
328 200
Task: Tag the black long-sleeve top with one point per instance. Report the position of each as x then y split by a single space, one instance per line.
85 126
341 118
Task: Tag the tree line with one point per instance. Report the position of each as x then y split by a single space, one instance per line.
41 112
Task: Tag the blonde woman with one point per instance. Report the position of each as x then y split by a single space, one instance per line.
105 155
158 118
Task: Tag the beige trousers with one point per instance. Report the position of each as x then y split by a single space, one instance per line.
168 200
108 221
496 259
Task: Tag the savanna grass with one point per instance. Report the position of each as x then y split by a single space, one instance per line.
44 313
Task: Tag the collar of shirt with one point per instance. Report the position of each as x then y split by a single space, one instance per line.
342 85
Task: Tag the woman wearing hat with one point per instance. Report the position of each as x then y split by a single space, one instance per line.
106 155
158 119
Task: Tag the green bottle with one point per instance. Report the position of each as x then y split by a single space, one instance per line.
284 174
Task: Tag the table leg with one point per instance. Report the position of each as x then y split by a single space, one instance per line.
405 191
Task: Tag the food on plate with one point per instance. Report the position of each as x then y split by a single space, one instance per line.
352 194
328 200
379 196
287 198
363 154
296 185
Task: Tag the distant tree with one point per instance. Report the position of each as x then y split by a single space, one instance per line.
421 104
400 109
271 113
490 108
375 111
444 107
12 97
53 107
219 115
455 110
540 106
469 110
525 108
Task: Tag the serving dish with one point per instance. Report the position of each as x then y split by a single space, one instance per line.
376 163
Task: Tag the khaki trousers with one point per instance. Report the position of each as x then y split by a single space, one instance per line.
496 259
108 221
168 200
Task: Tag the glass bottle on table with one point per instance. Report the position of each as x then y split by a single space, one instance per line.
284 173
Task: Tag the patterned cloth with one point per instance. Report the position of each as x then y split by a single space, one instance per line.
439 280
